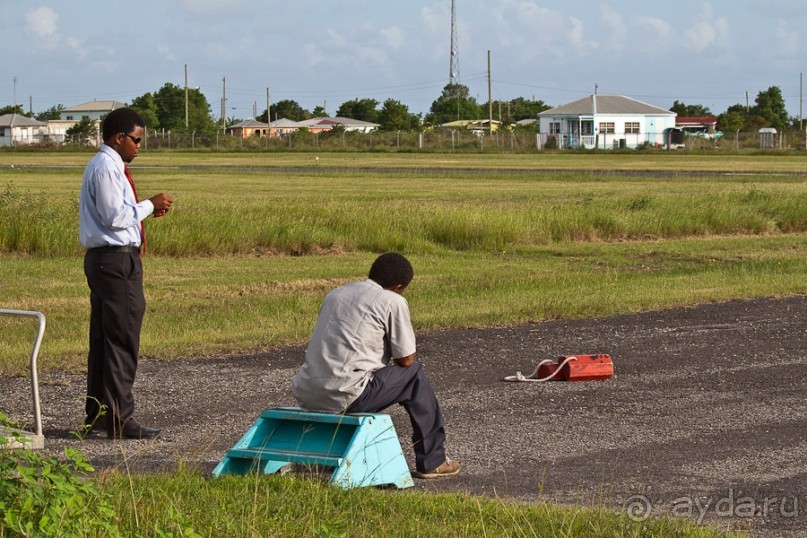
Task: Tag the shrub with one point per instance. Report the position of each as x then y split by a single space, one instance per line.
44 496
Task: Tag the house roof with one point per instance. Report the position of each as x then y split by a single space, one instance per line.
248 124
95 106
457 123
605 104
695 120
338 120
353 123
285 122
316 121
15 120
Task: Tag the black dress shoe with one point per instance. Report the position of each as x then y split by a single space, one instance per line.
133 430
93 425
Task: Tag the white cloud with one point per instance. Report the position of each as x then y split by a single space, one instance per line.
43 23
788 39
659 28
434 19
614 21
394 37
707 32
165 52
213 7
312 55
533 31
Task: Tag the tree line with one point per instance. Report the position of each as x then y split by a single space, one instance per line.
164 109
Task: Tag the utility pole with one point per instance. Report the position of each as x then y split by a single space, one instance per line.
490 100
224 104
801 101
268 116
31 106
14 104
747 108
186 96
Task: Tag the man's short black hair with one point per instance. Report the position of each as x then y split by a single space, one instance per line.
121 120
391 269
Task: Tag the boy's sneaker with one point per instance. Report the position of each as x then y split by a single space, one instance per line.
447 468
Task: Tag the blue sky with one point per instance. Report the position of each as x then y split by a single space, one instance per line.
329 51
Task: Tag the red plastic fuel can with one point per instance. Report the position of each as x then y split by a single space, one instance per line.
579 368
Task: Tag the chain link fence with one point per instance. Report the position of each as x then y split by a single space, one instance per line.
444 140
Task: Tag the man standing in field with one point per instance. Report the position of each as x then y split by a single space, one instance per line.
361 358
111 229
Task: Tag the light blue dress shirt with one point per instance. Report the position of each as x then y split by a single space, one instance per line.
109 215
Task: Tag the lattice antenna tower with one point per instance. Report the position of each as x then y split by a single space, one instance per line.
454 68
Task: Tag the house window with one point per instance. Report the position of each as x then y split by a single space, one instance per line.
554 127
85 118
588 128
69 117
607 127
632 127
2 132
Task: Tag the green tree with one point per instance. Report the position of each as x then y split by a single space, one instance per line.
453 104
287 108
319 112
53 113
509 112
12 109
684 110
165 109
731 121
83 132
768 111
147 109
359 109
770 106
395 116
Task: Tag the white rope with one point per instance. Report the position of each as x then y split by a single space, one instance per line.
533 377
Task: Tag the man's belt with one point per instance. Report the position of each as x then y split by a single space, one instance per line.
114 249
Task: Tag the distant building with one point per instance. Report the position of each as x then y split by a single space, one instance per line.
697 124
283 127
316 125
247 128
16 129
479 127
606 121
94 110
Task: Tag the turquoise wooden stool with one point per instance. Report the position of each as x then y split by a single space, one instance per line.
362 449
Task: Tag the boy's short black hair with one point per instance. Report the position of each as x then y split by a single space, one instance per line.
391 269
121 120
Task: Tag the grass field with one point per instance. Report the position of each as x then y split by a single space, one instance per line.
255 241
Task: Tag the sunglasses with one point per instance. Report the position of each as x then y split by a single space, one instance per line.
135 139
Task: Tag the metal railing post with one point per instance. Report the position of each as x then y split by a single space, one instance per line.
39 439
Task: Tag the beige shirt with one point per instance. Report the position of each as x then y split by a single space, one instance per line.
361 326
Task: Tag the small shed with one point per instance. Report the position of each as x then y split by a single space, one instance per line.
767 138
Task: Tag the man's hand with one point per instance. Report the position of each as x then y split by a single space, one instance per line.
405 361
162 203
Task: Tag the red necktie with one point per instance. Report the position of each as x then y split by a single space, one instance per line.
142 228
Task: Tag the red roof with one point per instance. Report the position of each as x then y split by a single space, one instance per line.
695 120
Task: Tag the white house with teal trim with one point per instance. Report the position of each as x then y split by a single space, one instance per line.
606 122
